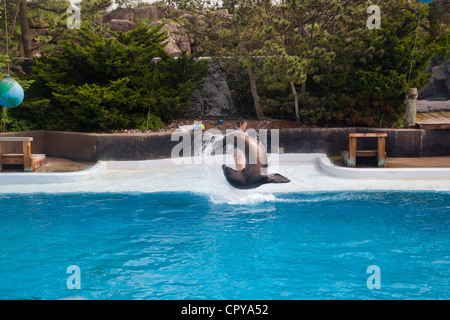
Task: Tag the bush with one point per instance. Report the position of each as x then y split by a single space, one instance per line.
98 84
365 82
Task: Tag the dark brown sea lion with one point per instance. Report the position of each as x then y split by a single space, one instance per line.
255 171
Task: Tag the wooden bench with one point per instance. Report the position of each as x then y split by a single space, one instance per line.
380 152
29 161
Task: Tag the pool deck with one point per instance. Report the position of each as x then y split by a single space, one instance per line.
391 162
54 164
433 120
59 170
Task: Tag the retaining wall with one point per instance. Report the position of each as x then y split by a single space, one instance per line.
94 147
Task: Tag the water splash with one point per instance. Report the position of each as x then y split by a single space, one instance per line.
219 190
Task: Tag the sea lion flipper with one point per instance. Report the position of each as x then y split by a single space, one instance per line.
277 178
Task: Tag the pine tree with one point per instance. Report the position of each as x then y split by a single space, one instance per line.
98 84
226 34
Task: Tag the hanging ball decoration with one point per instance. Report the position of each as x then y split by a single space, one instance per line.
426 1
11 93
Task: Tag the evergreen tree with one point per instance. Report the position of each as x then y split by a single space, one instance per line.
96 84
227 34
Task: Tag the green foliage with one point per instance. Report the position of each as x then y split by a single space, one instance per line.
10 123
151 122
98 84
25 84
354 76
369 83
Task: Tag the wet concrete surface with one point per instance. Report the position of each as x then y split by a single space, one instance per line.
53 164
391 162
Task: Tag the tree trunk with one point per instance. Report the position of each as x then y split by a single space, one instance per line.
304 87
254 91
297 111
236 24
27 36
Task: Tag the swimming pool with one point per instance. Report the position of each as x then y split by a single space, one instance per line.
180 245
183 233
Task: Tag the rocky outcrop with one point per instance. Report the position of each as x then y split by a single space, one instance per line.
178 40
439 86
150 13
121 25
214 97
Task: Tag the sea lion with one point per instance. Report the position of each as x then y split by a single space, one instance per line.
255 171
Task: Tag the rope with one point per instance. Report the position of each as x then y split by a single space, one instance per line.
414 49
7 42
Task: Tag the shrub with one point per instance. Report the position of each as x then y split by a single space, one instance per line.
97 84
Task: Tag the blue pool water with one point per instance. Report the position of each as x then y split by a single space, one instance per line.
183 246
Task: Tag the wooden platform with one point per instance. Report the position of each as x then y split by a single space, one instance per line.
433 120
17 159
29 161
380 152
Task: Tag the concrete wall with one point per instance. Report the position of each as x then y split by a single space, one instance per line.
399 143
71 145
134 146
37 146
93 147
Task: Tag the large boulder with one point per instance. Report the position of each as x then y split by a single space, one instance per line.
122 14
121 25
152 13
178 40
214 97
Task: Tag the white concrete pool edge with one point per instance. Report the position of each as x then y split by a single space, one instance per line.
319 159
424 173
95 171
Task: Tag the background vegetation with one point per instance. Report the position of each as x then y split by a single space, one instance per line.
98 84
317 62
313 61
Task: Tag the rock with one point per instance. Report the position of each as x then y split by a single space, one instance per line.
149 13
121 25
122 14
439 73
152 13
172 48
178 40
213 97
439 86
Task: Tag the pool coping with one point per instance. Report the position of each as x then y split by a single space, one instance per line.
319 159
52 177
423 173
